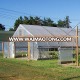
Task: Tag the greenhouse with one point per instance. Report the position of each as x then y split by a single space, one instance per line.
35 50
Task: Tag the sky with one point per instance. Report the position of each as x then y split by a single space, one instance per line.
10 10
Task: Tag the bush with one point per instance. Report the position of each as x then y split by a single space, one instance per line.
54 54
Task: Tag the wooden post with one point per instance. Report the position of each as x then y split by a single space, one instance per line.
77 62
3 48
28 50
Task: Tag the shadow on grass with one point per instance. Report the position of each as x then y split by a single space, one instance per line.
72 78
6 76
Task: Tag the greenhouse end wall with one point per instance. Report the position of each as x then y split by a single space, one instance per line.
9 50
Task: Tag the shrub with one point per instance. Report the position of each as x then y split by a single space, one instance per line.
54 54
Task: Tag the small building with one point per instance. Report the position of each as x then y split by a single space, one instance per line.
37 49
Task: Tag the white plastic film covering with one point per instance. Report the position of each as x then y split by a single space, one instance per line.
34 50
65 54
44 53
11 49
21 49
6 50
35 30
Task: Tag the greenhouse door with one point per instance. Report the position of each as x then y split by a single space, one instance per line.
11 48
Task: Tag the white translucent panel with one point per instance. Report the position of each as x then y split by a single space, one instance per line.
60 31
65 54
11 49
53 44
21 44
34 50
6 50
37 30
48 44
21 49
66 44
43 44
44 53
21 32
79 41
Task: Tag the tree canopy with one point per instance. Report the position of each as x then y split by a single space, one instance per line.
2 28
64 23
38 21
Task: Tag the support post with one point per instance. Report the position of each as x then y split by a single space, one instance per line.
77 61
28 50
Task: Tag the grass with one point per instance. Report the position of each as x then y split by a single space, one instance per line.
14 69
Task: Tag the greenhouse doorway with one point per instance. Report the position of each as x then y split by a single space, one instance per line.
21 50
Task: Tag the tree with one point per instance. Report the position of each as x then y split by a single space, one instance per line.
17 22
38 21
11 29
64 23
67 22
44 22
2 28
26 20
49 22
31 20
61 23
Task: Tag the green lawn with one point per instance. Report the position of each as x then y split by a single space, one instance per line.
14 69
